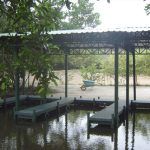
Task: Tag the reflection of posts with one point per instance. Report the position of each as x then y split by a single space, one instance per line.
88 125
45 130
116 139
127 130
133 131
18 138
58 111
66 126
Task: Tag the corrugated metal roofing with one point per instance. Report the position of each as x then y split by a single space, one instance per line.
78 31
127 29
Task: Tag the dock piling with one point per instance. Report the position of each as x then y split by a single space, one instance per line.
34 116
112 124
88 123
58 110
94 104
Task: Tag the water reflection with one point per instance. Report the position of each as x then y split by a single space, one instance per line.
70 132
116 140
133 130
127 130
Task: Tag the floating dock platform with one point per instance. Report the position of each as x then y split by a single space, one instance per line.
105 117
93 102
33 113
11 100
140 104
25 98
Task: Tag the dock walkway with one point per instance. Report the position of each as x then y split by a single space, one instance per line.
22 98
11 100
106 116
36 111
140 104
95 101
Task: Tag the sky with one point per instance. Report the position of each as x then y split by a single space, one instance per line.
122 13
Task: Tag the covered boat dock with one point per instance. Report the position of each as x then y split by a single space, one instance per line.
124 41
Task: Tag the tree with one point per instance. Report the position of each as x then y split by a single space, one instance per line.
36 18
80 16
147 9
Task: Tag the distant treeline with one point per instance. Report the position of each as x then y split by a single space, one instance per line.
104 63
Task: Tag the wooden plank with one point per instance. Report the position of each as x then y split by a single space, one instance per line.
36 111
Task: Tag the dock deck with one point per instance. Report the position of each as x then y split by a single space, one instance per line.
140 104
22 98
95 101
11 100
36 111
106 115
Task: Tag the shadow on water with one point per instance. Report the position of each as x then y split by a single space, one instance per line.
70 132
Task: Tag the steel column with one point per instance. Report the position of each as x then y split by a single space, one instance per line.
127 79
134 77
116 87
16 81
66 75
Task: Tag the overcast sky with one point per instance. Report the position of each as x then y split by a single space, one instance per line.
123 13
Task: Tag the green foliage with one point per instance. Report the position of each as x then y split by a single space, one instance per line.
38 64
84 61
147 9
23 17
80 16
5 80
90 72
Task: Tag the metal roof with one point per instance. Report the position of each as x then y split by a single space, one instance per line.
78 31
97 41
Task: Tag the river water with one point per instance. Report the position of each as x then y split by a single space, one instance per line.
69 132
